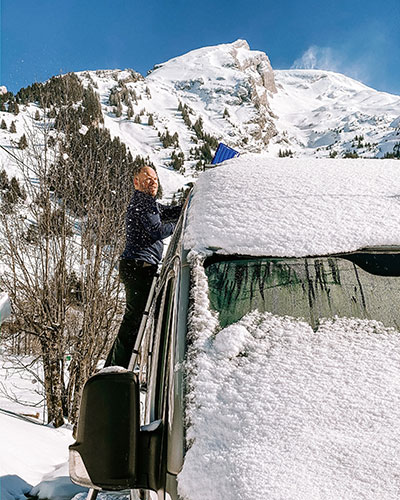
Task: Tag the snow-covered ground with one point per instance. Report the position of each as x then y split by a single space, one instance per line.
31 453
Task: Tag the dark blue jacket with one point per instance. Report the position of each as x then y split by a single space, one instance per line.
147 223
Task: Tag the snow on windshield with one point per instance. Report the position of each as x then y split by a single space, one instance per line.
278 411
254 205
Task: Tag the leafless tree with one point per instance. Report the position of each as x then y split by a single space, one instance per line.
60 249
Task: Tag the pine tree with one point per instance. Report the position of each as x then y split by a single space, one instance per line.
285 153
13 128
185 114
151 120
3 180
137 119
177 160
125 96
16 189
130 112
114 98
350 154
198 128
37 115
3 125
133 94
118 110
169 140
23 143
92 113
13 107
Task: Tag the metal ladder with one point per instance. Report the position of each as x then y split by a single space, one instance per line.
92 494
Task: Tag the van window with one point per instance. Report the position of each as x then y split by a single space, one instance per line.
308 288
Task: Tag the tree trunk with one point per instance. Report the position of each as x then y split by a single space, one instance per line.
53 383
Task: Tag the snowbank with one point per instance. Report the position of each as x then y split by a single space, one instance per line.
278 411
28 452
57 485
255 205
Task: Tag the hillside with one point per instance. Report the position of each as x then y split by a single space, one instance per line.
179 112
320 112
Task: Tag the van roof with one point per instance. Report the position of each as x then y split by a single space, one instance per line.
288 207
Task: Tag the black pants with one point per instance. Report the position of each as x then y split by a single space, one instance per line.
137 280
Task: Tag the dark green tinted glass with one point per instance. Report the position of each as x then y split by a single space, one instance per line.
308 288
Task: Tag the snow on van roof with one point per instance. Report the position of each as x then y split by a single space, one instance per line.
257 205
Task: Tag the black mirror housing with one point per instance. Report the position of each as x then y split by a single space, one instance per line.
105 454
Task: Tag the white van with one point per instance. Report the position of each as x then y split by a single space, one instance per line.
270 361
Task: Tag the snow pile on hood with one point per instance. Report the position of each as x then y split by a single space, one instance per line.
254 205
278 411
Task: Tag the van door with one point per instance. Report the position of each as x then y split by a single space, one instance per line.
156 359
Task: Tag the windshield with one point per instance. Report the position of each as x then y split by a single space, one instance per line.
356 285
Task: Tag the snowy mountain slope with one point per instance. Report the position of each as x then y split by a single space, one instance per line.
321 111
240 101
229 76
245 104
226 86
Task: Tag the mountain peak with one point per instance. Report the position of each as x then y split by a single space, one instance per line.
221 76
240 43
219 62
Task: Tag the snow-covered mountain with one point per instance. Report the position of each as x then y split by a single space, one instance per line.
320 112
240 101
227 86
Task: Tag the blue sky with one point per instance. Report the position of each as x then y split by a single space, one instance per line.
360 38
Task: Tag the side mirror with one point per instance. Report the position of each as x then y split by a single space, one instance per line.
111 452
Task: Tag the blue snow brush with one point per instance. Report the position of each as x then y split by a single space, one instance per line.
223 153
